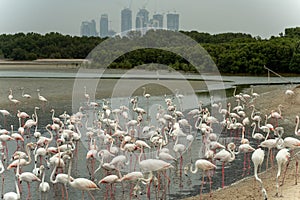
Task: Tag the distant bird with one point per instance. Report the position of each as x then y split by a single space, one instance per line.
27 96
42 99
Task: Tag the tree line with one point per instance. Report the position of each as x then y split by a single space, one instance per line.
231 52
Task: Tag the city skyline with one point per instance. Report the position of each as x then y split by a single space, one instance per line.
143 20
258 18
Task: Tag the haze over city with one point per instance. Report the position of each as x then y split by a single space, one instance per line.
259 18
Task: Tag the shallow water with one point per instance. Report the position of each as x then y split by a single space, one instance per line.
61 92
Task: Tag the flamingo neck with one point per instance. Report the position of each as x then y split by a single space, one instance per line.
279 110
17 189
268 133
253 131
252 113
28 154
195 170
142 151
297 125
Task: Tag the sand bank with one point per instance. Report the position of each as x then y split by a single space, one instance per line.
249 188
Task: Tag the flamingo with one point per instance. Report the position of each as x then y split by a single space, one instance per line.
22 116
269 143
82 184
245 148
291 143
225 157
152 165
4 138
16 136
27 177
27 96
276 115
42 99
282 158
5 113
44 186
44 140
22 160
13 195
110 179
54 119
257 159
60 178
257 136
205 166
34 121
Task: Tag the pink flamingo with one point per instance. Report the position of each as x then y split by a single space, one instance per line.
82 184
245 148
225 157
5 113
205 166
276 115
27 177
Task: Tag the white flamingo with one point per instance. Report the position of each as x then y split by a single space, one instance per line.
257 159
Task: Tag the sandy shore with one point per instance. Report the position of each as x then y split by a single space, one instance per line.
42 64
248 188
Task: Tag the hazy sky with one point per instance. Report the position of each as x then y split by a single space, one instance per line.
257 17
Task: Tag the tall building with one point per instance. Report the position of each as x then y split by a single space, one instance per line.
142 19
104 26
126 20
88 28
157 21
173 21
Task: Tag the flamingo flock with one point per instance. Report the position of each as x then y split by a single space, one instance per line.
129 149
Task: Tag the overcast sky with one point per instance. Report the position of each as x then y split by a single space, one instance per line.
257 17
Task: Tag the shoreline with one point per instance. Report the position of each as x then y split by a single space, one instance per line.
43 64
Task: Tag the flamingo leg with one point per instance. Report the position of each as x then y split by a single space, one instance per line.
91 195
201 188
249 165
67 193
223 174
2 188
267 165
296 175
287 165
210 183
62 193
29 193
244 169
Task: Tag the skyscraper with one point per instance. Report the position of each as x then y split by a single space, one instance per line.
104 26
142 19
88 28
173 21
157 21
126 19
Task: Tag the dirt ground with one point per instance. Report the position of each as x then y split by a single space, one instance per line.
270 98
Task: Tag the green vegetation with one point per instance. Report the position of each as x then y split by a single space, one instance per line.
231 52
